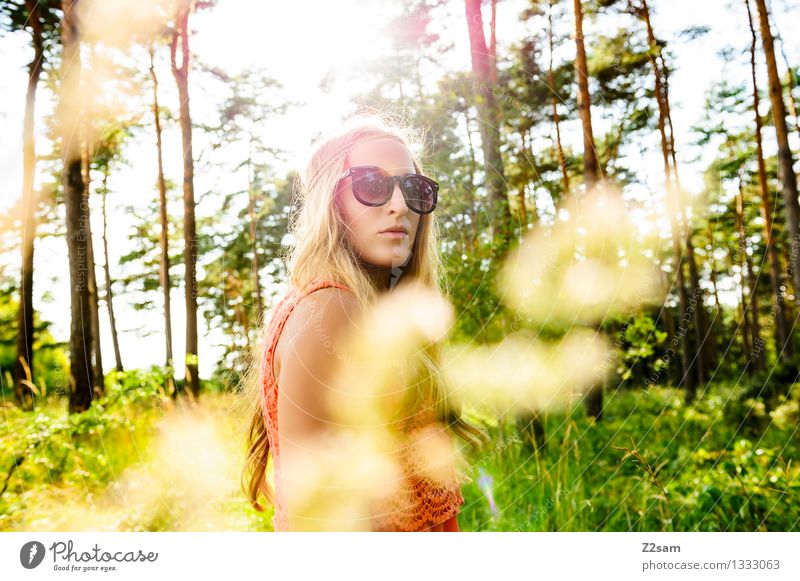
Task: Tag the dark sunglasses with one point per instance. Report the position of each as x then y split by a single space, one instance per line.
373 186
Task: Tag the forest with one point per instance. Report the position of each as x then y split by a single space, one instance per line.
620 248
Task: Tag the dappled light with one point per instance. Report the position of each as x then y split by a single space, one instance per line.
399 266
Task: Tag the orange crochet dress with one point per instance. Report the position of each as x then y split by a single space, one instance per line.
422 505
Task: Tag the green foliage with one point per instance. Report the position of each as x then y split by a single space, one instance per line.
652 464
46 451
639 347
50 365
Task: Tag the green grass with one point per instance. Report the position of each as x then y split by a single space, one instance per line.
651 464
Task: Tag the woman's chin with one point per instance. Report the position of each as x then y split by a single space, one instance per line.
388 262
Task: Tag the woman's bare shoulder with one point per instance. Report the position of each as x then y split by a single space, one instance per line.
315 323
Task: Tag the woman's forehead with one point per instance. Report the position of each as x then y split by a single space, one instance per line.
386 153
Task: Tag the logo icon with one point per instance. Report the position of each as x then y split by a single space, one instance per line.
31 554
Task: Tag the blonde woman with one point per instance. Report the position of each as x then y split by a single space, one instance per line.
365 226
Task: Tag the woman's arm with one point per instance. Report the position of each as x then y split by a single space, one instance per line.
316 331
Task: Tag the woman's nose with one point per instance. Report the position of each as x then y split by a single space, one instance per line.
397 202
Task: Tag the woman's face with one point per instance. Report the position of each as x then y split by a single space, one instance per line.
367 223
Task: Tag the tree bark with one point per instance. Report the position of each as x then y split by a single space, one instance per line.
593 399
791 81
751 305
490 130
521 206
785 158
181 74
713 352
163 270
23 368
783 345
80 388
591 173
551 83
493 43
107 271
98 381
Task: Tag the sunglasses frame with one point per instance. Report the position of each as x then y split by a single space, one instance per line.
390 190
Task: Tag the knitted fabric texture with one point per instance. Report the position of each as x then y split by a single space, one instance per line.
419 502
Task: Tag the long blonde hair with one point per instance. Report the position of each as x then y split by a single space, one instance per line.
321 249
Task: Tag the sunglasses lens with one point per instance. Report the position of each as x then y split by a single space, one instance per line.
420 193
369 186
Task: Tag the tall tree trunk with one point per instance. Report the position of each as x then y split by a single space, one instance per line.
748 276
669 321
493 43
712 344
181 74
791 81
489 122
23 367
107 271
701 335
523 211
785 158
743 326
98 381
163 270
783 345
713 276
80 336
591 173
594 397
532 210
473 202
551 84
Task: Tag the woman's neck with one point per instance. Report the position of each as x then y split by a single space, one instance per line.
380 276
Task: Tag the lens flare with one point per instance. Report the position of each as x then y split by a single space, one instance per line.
583 269
520 373
485 483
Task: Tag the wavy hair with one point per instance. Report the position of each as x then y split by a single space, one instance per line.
321 249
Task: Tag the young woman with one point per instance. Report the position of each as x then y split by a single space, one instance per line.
365 226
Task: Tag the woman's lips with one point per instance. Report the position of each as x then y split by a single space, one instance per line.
394 234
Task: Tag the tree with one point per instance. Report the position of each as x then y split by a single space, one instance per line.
94 303
591 177
551 85
242 117
77 214
41 19
163 265
785 157
784 345
107 151
489 121
180 71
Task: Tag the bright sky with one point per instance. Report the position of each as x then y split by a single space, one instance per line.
299 42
